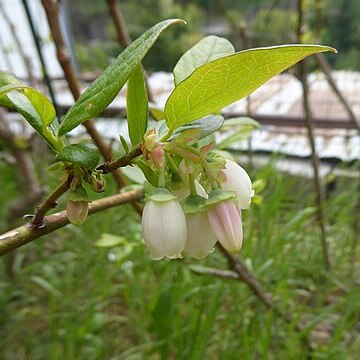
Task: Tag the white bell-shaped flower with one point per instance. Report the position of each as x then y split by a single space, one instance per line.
238 180
200 236
225 220
164 229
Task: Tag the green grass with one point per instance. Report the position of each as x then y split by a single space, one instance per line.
71 300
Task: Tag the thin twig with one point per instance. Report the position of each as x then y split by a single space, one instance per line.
50 202
119 23
26 233
220 273
326 69
123 161
30 191
311 136
356 232
237 265
25 57
123 33
40 54
52 12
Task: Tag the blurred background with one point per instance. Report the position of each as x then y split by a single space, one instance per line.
93 293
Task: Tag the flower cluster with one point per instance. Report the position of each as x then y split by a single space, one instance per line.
196 202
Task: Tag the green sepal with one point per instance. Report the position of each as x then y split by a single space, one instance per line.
159 194
218 195
194 204
79 194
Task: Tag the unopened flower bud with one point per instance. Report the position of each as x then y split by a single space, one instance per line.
238 180
164 229
158 157
225 220
77 211
98 184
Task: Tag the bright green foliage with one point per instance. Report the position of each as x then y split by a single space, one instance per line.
85 155
219 83
242 127
33 108
109 240
32 104
42 105
137 105
208 49
206 126
7 80
104 89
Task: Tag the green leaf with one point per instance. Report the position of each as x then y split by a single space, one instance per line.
42 105
156 112
26 108
85 155
206 125
32 104
134 174
235 137
208 49
110 240
241 121
137 105
7 78
104 89
221 82
149 174
244 128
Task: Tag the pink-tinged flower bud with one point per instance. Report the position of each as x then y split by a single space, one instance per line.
158 157
225 220
164 229
200 236
238 180
77 211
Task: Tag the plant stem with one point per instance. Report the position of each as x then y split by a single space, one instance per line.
52 12
192 186
40 54
26 233
167 135
208 173
50 202
25 57
326 69
111 166
311 136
